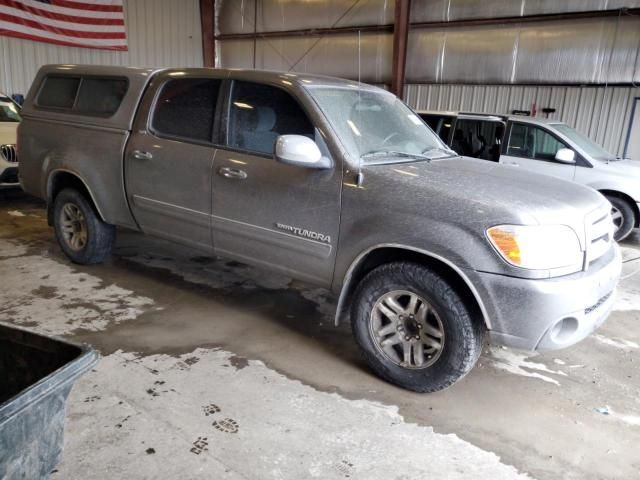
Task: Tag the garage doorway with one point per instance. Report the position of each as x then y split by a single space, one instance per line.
632 147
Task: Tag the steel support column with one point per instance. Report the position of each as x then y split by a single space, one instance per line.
400 37
207 19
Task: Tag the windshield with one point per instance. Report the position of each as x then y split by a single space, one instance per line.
9 111
376 127
589 146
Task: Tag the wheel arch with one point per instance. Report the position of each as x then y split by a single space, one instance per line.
626 198
385 253
60 179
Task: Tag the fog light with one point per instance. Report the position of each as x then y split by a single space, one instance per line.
562 331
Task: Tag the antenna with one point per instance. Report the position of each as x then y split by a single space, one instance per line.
359 177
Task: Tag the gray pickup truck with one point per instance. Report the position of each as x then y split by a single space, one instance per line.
331 182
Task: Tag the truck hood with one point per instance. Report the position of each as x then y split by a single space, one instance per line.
8 132
478 191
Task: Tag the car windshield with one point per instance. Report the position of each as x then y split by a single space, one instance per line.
376 127
9 111
585 143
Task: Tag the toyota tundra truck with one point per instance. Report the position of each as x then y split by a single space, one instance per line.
331 182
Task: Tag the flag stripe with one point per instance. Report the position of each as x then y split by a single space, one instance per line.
35 5
94 33
100 27
80 23
60 16
67 43
10 27
96 7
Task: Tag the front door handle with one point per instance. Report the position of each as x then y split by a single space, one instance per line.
234 173
140 155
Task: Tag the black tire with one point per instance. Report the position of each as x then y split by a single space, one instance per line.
627 220
100 236
463 334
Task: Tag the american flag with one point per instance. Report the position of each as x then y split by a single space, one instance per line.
76 23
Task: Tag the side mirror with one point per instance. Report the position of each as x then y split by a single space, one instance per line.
566 155
300 151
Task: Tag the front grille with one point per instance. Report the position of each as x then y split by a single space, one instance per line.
596 305
599 230
9 153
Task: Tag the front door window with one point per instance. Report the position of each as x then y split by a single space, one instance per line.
529 141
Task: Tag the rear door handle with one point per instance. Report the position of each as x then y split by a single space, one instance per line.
140 155
234 173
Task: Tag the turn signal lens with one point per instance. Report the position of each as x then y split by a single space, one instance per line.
537 247
505 241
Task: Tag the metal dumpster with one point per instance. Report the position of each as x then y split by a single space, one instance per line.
36 376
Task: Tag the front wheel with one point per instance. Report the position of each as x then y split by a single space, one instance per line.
82 235
624 218
413 327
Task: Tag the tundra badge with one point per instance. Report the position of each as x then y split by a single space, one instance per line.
303 232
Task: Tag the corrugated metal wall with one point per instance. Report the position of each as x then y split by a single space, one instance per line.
601 113
598 50
160 33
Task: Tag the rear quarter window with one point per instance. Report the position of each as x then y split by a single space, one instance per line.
83 95
58 92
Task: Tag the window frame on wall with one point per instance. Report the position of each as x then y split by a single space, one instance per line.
73 109
215 126
226 117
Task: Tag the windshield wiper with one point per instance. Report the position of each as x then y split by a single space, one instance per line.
392 153
447 152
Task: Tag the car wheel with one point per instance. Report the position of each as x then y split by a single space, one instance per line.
624 218
82 235
413 327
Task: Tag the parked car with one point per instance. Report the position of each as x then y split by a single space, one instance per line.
9 120
331 182
549 147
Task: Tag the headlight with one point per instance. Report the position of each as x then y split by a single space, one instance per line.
537 247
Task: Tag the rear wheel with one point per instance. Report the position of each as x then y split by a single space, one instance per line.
624 217
414 329
82 235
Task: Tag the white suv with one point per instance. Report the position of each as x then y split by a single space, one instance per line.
9 121
549 147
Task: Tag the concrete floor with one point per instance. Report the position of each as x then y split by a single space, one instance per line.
212 369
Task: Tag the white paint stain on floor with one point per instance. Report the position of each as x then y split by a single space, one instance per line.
58 299
16 213
203 418
11 249
519 363
616 342
632 420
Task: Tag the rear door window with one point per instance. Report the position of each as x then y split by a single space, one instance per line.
260 113
478 138
185 109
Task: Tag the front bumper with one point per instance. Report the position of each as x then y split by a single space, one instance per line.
551 313
8 172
